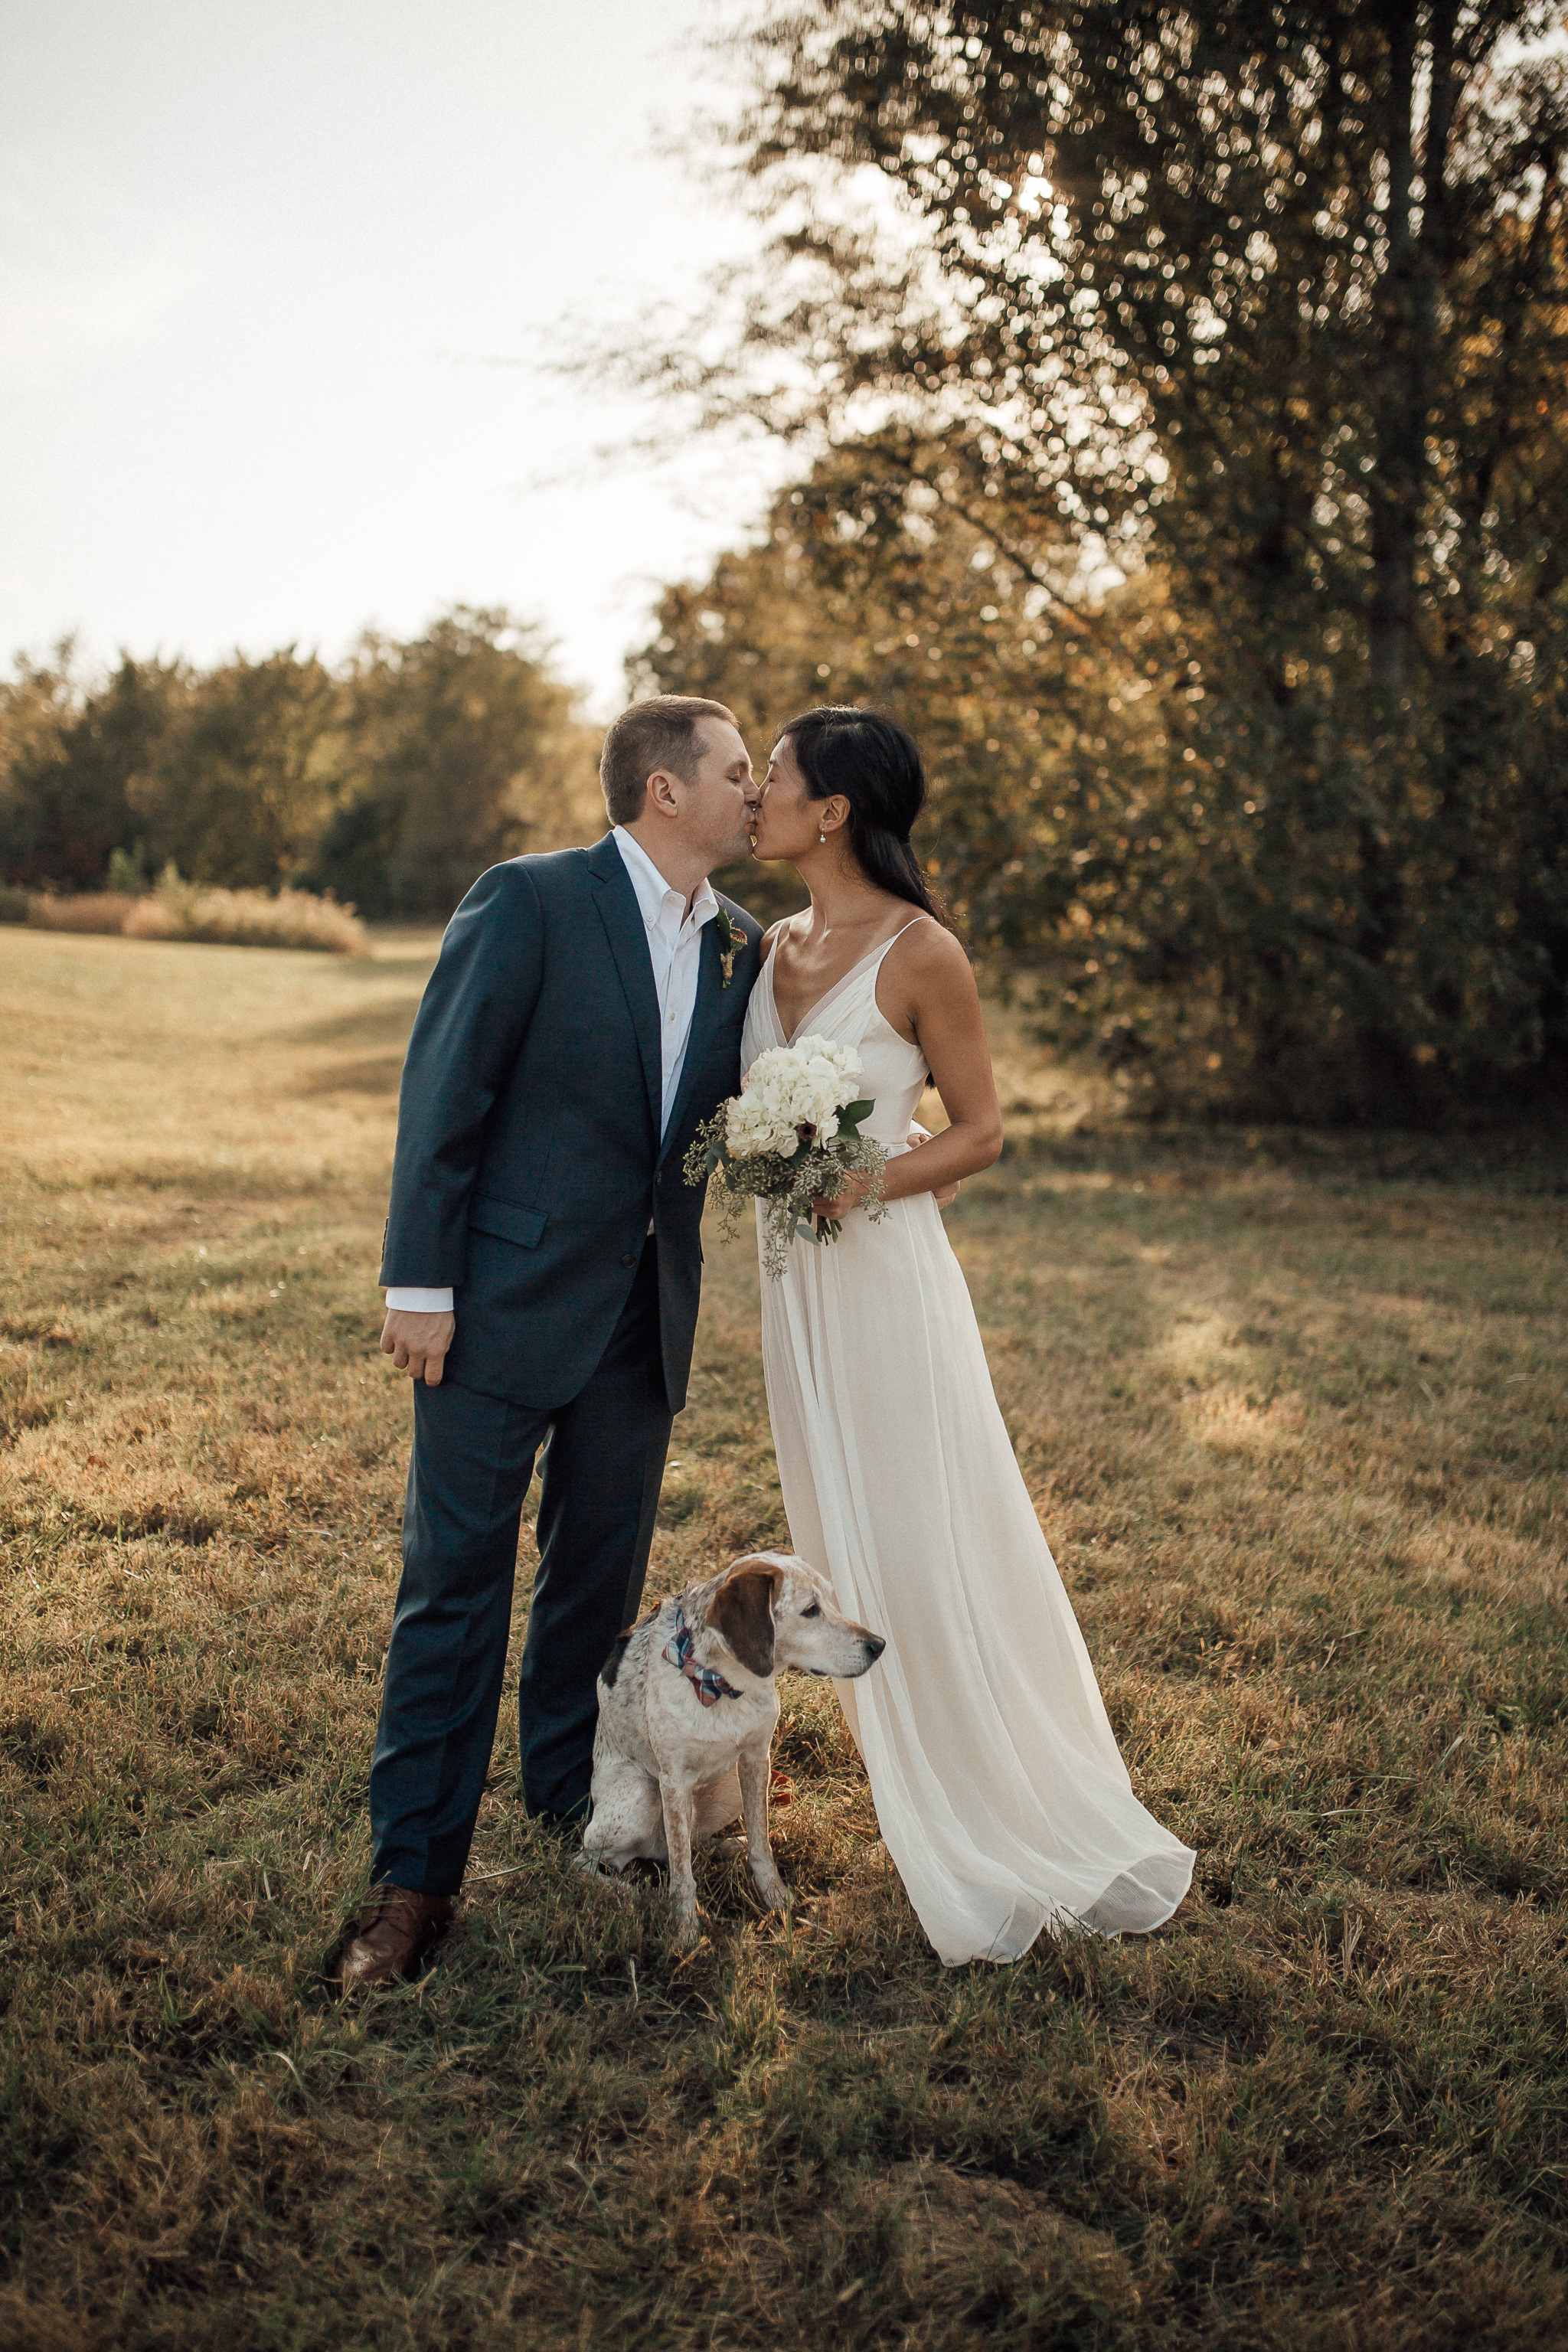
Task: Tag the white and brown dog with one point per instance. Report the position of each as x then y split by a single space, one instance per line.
687 1710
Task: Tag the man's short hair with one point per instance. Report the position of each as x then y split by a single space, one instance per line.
658 733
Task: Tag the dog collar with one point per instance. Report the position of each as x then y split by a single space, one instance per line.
706 1681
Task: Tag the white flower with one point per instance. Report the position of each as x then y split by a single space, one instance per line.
782 1136
753 1129
806 1085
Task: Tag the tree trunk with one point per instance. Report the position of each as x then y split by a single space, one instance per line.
1399 392
1402 387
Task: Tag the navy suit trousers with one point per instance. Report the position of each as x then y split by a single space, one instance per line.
472 1463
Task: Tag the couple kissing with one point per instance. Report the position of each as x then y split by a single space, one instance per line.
590 1012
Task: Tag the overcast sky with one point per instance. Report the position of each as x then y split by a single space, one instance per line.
258 261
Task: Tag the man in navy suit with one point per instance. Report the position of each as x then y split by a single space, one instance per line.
542 1264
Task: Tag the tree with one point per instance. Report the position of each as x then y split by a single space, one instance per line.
72 761
391 782
245 774
1072 855
1261 309
1277 287
463 750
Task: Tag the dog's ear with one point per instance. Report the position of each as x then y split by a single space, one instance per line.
741 1613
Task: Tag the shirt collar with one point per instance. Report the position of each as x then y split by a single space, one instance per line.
654 894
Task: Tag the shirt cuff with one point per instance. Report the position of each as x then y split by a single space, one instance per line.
404 1301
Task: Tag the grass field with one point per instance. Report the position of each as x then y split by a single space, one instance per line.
1291 1409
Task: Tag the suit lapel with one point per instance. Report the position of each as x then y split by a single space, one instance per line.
616 904
704 1020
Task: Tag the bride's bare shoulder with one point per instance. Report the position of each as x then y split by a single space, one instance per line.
928 954
926 984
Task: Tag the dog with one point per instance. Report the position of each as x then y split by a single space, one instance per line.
687 1713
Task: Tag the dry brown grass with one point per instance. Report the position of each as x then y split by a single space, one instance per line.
247 918
1292 1408
102 912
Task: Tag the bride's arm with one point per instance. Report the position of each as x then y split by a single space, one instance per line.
929 997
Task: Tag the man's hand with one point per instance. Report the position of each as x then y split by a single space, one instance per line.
949 1192
417 1344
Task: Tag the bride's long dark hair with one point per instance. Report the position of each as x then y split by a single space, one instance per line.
874 764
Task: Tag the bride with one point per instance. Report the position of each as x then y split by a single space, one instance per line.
1000 1793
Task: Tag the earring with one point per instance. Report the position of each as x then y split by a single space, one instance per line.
821 837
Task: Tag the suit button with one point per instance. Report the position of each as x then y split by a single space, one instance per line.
630 1259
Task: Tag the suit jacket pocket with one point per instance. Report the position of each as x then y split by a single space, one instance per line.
509 1220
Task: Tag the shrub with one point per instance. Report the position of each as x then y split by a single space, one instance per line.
128 872
183 911
88 910
249 918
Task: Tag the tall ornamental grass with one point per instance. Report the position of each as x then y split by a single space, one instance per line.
184 911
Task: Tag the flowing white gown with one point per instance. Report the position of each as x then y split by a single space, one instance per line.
1001 1795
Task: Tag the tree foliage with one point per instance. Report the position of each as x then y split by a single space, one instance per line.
391 782
234 790
464 750
1237 335
71 761
1072 851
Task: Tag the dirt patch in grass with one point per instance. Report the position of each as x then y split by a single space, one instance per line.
1291 1408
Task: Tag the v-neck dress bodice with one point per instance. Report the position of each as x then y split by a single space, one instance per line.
1001 1795
893 1071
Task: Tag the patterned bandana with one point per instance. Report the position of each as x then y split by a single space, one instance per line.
706 1681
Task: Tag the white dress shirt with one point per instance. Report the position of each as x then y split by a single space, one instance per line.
674 936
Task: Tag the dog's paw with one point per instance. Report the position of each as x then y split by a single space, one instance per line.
771 1889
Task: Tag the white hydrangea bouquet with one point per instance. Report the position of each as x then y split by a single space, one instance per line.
792 1132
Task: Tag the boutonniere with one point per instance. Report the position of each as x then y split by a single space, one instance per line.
731 939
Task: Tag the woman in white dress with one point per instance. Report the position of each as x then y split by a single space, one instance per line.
1001 1795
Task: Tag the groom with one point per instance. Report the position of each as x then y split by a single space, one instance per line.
543 1267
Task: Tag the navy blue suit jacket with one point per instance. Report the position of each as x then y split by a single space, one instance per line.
528 1161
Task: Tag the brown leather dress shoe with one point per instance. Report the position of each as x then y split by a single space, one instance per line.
389 1938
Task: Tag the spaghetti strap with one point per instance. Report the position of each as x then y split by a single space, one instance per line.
893 942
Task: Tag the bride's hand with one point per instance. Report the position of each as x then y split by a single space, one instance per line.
854 1191
857 1187
948 1193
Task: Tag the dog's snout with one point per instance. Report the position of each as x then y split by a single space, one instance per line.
875 1644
